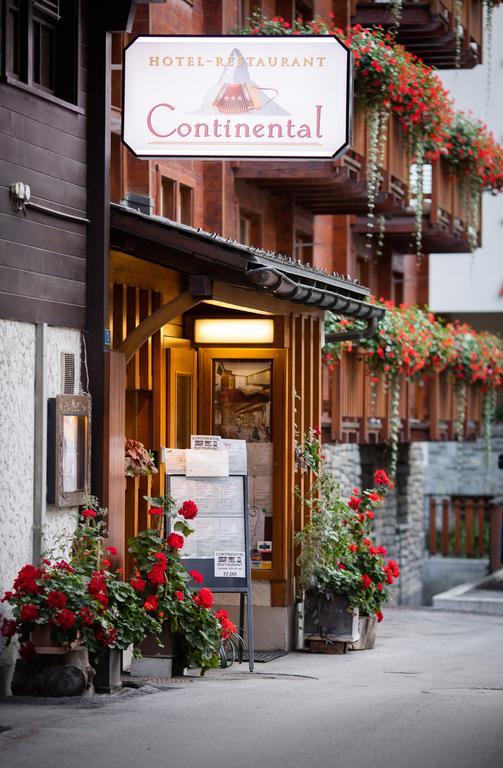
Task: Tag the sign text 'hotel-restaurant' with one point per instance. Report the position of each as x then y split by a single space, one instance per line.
237 97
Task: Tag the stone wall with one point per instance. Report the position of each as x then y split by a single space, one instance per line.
17 436
461 468
399 525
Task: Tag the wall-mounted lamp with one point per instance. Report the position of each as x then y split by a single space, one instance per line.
233 331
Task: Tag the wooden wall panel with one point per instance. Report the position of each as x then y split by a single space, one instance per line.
43 257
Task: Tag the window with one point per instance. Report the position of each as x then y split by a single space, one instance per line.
304 9
304 247
177 201
41 46
185 200
250 228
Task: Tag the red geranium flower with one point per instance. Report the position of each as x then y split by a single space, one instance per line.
188 510
26 580
65 618
381 478
86 616
204 598
366 581
156 574
112 551
88 513
352 547
175 540
138 584
162 559
57 599
8 628
196 576
380 616
179 596
156 511
29 612
151 603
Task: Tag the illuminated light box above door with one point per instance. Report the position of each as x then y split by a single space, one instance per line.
233 331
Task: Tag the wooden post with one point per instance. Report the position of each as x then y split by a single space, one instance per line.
469 526
495 540
433 526
457 527
481 515
113 449
445 527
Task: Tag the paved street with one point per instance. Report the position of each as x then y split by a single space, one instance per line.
430 694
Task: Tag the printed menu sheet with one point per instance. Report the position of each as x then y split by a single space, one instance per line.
219 525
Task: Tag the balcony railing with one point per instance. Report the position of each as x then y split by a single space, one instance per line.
357 409
338 187
447 226
428 29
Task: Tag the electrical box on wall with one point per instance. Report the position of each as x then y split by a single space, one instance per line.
68 449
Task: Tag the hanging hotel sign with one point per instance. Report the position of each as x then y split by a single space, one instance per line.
237 97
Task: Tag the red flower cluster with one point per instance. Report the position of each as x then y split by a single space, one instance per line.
25 582
188 510
88 513
156 511
157 573
392 571
196 576
228 628
138 583
175 540
56 599
366 581
204 598
151 603
29 612
97 587
8 628
65 619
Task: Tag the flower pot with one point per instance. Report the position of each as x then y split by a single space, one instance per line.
107 668
44 644
368 631
328 615
158 660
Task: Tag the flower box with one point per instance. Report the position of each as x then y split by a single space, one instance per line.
368 631
330 616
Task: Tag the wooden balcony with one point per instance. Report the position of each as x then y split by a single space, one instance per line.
445 218
427 29
355 410
340 187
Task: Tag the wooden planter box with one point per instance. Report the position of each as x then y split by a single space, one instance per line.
368 631
328 617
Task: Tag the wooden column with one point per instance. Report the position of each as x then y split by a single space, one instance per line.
114 434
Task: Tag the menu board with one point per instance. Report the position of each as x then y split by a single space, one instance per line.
219 527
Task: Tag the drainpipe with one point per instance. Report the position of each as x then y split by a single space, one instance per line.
40 445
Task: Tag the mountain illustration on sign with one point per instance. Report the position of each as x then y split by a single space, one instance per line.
235 92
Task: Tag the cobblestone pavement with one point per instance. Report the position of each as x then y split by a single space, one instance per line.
430 695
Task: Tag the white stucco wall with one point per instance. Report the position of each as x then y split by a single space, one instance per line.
17 434
472 282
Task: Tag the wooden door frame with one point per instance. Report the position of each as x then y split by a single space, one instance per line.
206 355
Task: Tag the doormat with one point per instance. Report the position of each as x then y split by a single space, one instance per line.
262 657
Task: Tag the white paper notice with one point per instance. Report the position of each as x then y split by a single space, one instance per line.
174 459
237 456
204 463
230 565
206 442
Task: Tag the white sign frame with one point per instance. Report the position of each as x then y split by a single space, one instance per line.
142 105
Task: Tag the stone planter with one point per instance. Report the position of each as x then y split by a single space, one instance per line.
368 631
54 674
107 668
159 660
327 615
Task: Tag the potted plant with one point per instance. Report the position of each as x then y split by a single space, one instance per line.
138 460
191 633
342 573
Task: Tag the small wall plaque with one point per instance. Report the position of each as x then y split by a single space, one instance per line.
68 449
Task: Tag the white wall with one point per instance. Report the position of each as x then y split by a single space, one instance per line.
472 282
17 436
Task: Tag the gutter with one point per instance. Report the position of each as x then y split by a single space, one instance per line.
277 284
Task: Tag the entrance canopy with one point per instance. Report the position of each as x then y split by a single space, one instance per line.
196 252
